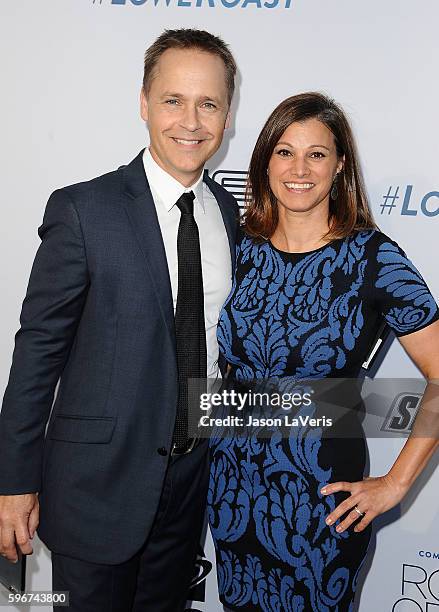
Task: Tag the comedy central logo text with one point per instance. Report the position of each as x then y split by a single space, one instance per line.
419 590
259 4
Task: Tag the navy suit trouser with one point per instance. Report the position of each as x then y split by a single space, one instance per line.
157 578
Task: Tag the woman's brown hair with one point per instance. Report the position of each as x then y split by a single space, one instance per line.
349 212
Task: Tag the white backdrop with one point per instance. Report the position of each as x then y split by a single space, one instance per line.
71 74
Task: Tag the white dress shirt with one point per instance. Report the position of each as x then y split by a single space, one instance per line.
215 251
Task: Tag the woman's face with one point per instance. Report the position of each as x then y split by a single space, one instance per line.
303 165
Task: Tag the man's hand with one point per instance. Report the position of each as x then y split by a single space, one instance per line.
19 516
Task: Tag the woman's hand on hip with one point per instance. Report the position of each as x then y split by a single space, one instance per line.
368 499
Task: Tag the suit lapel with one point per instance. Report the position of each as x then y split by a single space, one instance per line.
139 205
140 208
228 212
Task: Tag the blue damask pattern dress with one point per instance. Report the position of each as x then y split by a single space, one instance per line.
305 315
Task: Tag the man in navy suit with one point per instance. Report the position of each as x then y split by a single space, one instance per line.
116 496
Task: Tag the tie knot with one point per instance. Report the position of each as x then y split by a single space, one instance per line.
186 203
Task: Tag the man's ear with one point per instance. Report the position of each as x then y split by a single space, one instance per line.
228 121
143 105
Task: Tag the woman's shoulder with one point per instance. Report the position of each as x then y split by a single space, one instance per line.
388 261
243 239
376 241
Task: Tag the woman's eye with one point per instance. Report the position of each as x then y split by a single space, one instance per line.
317 154
283 152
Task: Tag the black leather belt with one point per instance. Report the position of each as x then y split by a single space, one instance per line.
186 448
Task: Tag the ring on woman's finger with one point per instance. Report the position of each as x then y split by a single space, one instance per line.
358 511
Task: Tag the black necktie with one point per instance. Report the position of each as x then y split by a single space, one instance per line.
189 313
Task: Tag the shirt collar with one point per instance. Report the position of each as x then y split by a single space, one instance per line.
165 188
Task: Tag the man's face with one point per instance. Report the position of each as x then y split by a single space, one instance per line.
186 110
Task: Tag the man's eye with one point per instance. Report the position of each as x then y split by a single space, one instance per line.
209 105
172 101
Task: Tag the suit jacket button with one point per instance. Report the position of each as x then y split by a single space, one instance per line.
162 451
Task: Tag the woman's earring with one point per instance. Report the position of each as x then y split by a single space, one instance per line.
334 188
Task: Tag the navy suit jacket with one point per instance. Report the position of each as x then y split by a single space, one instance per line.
97 317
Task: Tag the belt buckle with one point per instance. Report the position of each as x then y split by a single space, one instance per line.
187 450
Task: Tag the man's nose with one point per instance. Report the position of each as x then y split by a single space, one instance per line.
190 120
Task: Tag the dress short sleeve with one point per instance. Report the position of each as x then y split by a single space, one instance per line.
401 294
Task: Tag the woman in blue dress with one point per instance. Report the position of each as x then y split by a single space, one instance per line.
291 515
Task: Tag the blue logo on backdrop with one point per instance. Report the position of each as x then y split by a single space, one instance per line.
406 204
259 4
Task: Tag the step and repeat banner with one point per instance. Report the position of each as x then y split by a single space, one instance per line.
71 77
